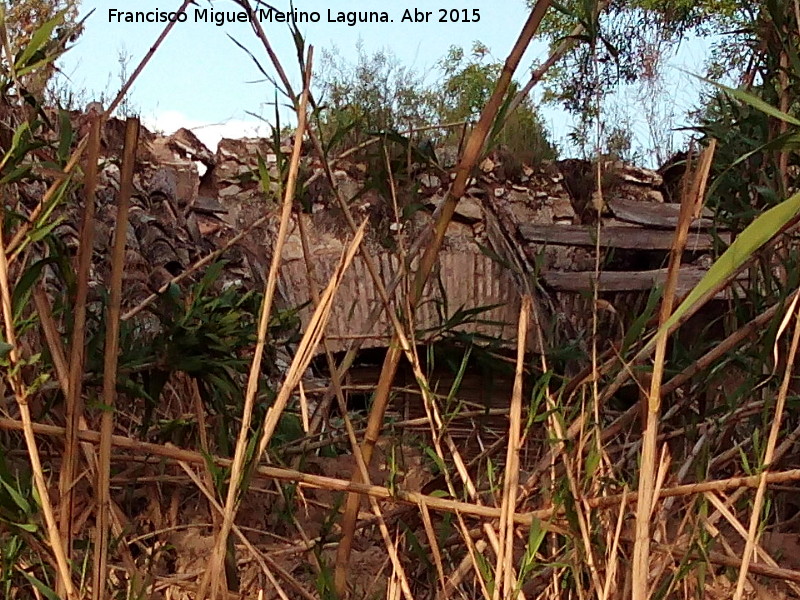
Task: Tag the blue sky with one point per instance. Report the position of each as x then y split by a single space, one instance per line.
199 78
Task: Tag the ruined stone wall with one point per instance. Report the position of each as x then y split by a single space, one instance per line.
190 201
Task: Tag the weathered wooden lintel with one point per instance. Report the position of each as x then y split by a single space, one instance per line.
627 281
655 214
631 238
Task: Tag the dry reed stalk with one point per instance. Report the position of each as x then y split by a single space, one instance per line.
170 453
469 159
427 524
74 401
305 352
612 555
336 377
255 23
308 343
384 292
647 472
202 432
53 340
336 385
463 568
17 243
21 394
434 418
595 435
504 569
438 431
769 452
110 358
208 479
383 304
212 576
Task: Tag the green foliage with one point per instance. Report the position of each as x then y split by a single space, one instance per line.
752 239
468 85
747 174
24 18
36 33
468 82
206 332
753 133
25 126
528 565
19 526
208 335
377 94
626 42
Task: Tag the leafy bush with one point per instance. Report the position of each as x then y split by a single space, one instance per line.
377 94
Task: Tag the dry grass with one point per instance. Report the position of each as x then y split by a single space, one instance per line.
552 518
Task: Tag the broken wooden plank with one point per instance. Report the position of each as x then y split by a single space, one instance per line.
631 238
629 281
655 214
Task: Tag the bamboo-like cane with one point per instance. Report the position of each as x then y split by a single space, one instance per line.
74 401
102 489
